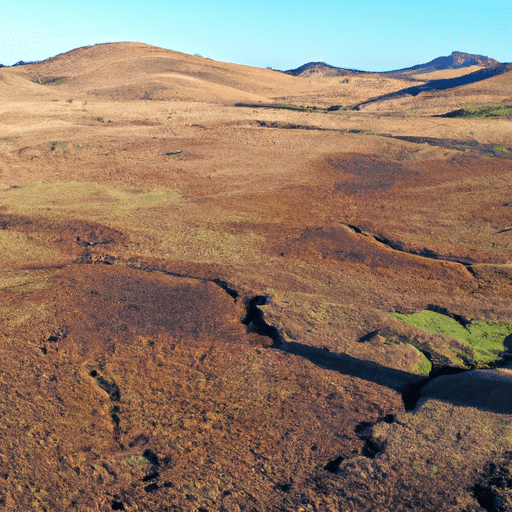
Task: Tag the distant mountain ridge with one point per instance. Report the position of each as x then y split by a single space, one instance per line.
20 63
456 60
321 69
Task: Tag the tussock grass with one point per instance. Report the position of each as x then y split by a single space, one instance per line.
50 81
24 280
160 221
84 199
19 247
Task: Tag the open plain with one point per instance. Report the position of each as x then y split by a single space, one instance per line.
218 294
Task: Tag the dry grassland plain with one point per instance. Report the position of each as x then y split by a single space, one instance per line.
206 306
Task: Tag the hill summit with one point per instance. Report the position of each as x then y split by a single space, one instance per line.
456 60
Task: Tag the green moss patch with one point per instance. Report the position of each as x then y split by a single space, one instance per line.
422 366
486 341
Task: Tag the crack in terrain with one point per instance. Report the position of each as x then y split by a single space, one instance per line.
254 317
108 259
409 386
401 248
114 394
398 380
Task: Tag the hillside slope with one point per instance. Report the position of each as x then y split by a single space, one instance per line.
135 71
132 71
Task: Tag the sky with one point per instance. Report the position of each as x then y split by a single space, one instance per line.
367 35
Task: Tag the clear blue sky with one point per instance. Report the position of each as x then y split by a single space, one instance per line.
369 35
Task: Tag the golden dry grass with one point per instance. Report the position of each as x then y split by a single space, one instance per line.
138 157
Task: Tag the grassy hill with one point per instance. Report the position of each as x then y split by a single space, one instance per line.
219 293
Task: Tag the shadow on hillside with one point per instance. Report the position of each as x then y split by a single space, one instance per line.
507 343
438 85
407 384
410 386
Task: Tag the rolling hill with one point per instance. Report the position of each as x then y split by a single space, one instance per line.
131 71
218 293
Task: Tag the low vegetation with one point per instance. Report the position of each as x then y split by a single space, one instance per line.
58 145
50 81
488 341
482 111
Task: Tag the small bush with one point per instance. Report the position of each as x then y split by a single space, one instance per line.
58 146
